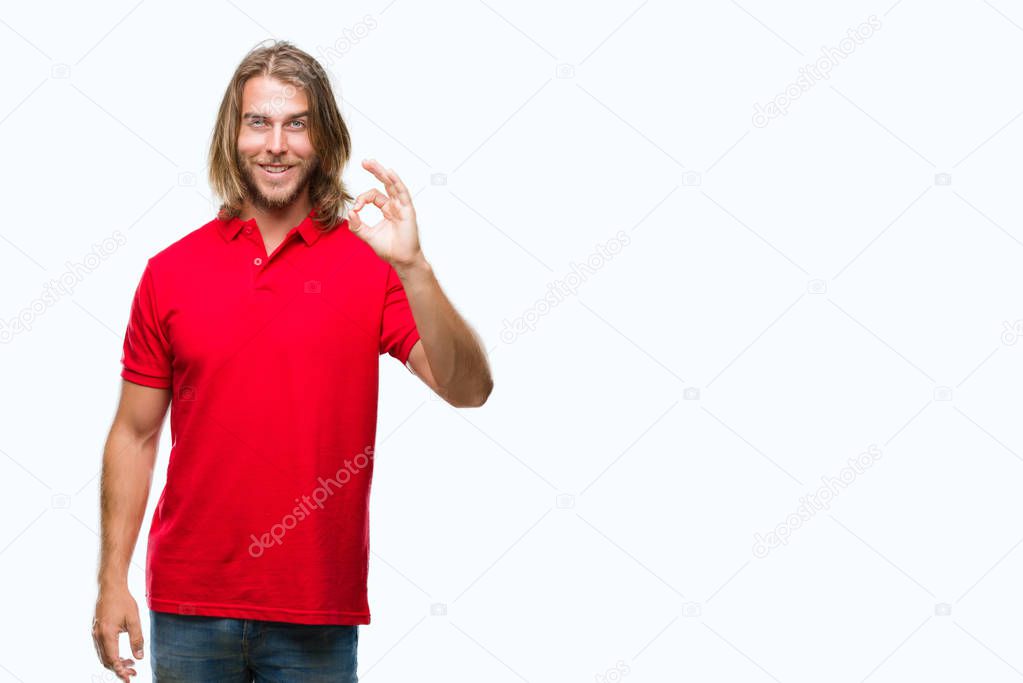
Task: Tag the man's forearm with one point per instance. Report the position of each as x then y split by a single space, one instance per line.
456 356
124 489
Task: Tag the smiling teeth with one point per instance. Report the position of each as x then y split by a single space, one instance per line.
276 169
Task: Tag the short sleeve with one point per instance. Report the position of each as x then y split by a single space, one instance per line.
146 357
398 333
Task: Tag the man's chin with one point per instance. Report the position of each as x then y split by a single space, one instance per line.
274 196
276 201
276 193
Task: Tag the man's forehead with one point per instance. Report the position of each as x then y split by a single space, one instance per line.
270 97
270 109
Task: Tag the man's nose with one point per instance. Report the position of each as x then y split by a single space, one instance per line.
277 142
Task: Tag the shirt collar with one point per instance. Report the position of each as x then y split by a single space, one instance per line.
308 228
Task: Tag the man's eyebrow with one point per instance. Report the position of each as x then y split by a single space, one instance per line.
255 115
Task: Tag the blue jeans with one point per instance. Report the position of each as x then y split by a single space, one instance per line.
188 648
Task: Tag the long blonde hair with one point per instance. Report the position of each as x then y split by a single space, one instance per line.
327 130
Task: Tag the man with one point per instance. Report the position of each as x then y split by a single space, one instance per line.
262 330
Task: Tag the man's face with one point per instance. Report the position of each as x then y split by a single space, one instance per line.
275 153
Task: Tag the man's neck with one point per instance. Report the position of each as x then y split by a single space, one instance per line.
277 222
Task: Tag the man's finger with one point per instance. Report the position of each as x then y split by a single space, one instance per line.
108 642
126 670
97 643
374 197
401 192
374 167
111 657
354 222
135 635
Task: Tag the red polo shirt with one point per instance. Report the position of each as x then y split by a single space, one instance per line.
273 362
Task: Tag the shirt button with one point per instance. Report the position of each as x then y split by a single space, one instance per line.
258 261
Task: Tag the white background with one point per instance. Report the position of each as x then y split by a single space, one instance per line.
791 296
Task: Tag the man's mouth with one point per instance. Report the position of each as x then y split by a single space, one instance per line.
274 170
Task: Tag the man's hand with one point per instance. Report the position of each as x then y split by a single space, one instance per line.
395 238
116 612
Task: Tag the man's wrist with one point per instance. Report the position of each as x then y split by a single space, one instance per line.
113 580
414 269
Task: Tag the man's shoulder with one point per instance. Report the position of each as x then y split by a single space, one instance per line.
187 247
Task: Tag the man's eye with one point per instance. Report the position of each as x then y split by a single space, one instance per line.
256 122
301 124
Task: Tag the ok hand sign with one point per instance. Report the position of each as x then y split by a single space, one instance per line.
395 238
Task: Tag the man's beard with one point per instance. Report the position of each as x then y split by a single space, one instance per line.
265 203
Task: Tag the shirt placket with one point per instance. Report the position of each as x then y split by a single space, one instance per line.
260 261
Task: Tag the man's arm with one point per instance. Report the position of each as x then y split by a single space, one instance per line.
448 357
128 460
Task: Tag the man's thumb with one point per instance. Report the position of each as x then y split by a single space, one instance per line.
135 635
354 221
